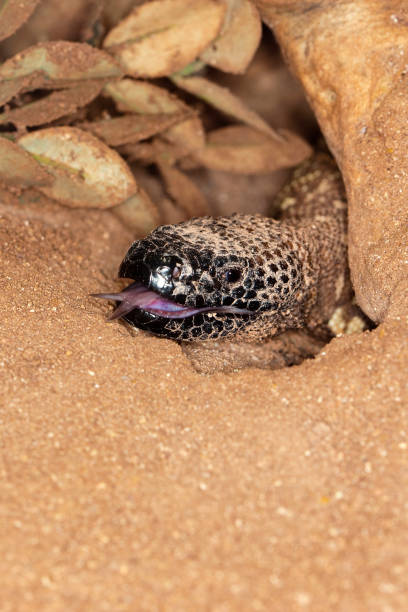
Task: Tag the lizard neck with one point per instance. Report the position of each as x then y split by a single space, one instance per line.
326 270
314 202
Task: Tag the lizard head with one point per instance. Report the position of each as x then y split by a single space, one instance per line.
212 278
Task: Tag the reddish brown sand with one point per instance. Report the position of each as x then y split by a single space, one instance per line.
130 482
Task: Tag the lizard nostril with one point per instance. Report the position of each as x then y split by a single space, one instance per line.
176 271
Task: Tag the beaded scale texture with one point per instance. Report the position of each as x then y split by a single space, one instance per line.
245 277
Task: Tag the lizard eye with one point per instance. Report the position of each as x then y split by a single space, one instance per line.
233 275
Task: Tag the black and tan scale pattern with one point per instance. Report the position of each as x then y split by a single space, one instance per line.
288 273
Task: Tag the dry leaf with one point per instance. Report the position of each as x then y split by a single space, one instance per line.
184 192
161 37
222 99
113 12
56 20
186 136
130 128
56 64
170 213
234 49
86 172
143 97
153 152
53 106
138 213
9 89
173 144
19 168
143 152
243 150
13 13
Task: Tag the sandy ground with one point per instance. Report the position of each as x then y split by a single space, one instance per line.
130 482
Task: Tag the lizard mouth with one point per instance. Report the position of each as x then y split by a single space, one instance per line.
139 297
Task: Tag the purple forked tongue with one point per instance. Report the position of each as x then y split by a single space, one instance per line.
130 298
138 296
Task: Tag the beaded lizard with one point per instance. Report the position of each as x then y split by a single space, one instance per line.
245 277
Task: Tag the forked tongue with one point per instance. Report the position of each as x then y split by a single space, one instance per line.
134 296
138 296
